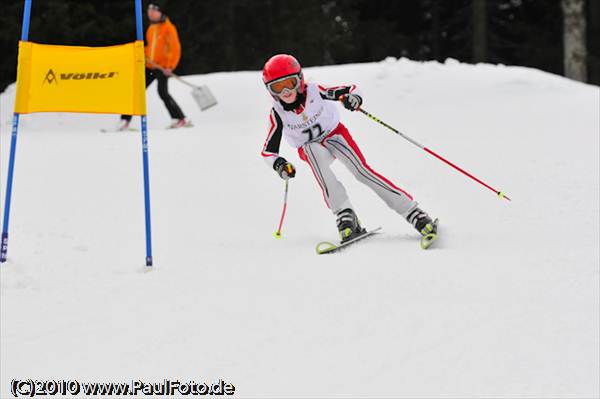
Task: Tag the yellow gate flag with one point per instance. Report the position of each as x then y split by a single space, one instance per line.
107 80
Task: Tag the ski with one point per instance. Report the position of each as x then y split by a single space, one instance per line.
326 247
430 237
129 129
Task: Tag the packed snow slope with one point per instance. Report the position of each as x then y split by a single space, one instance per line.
506 305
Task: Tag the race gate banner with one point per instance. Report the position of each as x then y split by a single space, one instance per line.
109 80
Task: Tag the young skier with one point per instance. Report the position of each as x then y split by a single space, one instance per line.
163 51
307 116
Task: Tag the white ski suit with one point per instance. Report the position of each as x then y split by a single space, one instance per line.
313 127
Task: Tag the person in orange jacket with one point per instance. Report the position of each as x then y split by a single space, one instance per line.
163 51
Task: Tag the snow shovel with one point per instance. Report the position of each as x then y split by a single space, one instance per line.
201 94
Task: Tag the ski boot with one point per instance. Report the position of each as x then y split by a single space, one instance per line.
424 225
348 225
179 123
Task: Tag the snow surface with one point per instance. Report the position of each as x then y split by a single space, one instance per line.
506 305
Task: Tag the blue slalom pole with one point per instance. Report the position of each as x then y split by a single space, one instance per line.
13 149
9 183
146 191
140 36
138 20
26 18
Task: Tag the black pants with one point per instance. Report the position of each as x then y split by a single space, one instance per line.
163 92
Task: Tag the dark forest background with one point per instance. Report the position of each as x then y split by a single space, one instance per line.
232 35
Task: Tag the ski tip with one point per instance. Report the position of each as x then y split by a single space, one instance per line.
427 240
324 247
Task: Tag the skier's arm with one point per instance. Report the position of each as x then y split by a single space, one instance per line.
270 151
334 93
349 95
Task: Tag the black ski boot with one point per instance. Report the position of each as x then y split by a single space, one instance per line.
424 225
348 225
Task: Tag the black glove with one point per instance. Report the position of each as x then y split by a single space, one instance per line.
352 102
284 169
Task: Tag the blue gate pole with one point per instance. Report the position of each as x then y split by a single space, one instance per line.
13 149
140 36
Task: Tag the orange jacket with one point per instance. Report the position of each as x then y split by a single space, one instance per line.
163 48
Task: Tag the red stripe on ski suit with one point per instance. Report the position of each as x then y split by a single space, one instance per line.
341 130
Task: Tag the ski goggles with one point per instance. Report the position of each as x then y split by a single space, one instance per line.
287 82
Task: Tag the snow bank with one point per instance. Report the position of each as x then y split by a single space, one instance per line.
506 305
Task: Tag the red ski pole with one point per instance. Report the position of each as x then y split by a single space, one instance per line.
277 234
499 193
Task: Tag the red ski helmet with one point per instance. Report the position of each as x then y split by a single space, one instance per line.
282 66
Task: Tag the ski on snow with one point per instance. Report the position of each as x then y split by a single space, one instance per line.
326 247
188 123
129 129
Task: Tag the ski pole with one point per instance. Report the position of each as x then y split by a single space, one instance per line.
277 234
499 193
